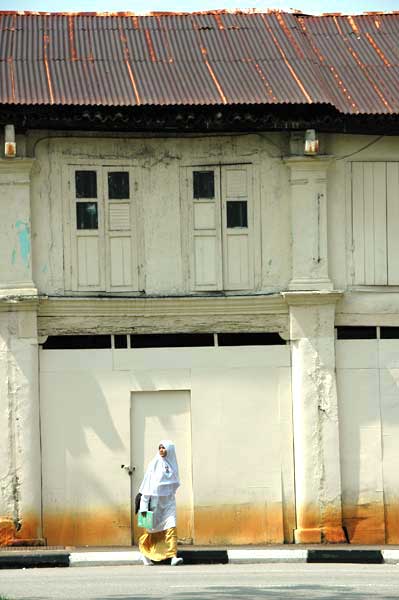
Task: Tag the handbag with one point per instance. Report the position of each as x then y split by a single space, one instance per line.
145 521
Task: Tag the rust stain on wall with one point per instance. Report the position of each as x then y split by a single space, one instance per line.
365 523
392 523
239 524
320 524
96 528
27 534
7 531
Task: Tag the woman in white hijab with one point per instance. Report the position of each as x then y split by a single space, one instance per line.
158 489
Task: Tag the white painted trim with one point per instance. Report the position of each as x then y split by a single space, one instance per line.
97 559
266 556
390 556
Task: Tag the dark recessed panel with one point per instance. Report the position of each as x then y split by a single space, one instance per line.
118 185
204 184
86 215
86 184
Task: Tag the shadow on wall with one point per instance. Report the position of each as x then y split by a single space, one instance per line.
81 444
74 406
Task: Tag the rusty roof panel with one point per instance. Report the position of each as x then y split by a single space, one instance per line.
209 58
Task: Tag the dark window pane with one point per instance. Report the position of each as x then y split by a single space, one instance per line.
237 214
347 332
86 215
118 185
389 333
120 341
77 342
250 339
171 340
204 184
86 184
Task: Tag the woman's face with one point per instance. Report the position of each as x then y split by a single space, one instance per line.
162 451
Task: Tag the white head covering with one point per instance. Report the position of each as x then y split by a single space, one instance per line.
162 475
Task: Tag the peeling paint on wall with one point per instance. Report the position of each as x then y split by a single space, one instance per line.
24 241
13 256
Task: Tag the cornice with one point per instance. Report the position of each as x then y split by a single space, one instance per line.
161 307
312 297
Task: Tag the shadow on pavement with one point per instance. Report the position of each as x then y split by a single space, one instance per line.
308 592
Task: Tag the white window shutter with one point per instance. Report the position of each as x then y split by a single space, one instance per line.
393 222
238 260
205 226
369 223
121 236
87 247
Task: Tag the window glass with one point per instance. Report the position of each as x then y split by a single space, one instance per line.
86 215
118 185
237 214
86 184
203 184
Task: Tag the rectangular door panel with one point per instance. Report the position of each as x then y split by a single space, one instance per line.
164 415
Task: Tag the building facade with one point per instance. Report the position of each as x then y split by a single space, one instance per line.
223 285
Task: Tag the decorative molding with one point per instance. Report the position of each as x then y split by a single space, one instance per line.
312 297
171 306
162 315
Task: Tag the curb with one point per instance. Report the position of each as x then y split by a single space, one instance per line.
369 557
28 560
60 558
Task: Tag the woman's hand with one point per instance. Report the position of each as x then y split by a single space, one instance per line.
143 512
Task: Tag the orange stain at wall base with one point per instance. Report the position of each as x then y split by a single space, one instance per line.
91 528
29 533
392 523
365 523
239 524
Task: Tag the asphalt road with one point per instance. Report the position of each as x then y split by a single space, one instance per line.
210 582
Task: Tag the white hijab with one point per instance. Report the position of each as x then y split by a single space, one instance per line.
162 475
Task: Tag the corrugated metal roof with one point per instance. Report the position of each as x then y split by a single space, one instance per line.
211 58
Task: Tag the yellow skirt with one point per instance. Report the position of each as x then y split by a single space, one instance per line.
159 545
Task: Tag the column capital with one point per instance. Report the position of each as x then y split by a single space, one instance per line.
19 299
309 163
19 168
314 297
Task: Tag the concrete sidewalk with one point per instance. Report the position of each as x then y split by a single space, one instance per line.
14 558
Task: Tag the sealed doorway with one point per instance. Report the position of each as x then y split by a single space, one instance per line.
164 415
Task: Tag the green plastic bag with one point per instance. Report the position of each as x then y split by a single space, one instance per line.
145 521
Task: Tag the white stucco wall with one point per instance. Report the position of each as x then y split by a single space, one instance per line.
241 441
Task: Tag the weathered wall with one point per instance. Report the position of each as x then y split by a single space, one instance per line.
20 476
301 206
158 165
368 386
241 440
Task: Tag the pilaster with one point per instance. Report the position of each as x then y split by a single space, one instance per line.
20 472
15 225
308 178
315 417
